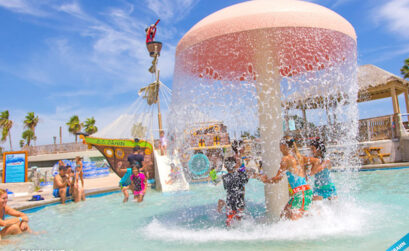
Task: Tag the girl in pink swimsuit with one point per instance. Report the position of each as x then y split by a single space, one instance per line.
138 180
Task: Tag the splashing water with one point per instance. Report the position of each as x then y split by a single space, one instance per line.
237 79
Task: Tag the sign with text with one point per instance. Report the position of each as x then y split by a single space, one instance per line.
15 167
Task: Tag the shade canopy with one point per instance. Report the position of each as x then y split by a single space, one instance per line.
302 37
376 83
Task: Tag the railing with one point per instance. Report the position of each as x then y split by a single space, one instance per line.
55 148
371 129
405 120
384 127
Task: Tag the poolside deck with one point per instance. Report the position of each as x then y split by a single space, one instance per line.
92 186
384 166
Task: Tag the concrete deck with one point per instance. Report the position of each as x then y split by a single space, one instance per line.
384 166
92 186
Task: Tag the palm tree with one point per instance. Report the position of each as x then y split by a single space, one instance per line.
89 125
31 122
405 69
28 135
21 143
74 126
5 124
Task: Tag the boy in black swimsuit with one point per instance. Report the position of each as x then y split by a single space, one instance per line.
233 182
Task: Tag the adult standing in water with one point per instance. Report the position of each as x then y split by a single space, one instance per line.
292 163
15 225
136 158
324 188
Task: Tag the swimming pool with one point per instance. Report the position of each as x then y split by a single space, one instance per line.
373 218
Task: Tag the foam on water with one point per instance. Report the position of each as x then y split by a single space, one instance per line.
327 219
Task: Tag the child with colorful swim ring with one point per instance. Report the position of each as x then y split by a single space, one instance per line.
293 165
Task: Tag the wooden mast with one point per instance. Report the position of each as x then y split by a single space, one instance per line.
158 86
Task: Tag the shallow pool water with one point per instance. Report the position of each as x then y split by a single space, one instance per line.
371 216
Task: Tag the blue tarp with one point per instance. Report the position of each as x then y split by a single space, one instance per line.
90 169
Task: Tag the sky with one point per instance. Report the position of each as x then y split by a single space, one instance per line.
60 58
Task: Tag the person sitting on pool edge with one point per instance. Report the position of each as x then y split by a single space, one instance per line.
70 175
61 184
14 225
292 163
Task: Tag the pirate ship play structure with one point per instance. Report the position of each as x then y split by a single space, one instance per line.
137 126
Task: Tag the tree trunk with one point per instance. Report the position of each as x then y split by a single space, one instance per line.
11 147
75 138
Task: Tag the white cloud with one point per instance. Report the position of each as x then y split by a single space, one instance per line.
171 9
396 15
22 6
111 60
390 53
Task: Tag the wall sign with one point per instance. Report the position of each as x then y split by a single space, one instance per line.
15 167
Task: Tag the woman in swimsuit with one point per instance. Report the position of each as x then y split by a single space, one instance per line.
293 164
14 225
324 188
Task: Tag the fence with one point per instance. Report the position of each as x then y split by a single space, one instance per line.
55 148
377 128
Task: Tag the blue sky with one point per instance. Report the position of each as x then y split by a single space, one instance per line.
64 57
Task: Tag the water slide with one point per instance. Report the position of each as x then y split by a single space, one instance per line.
162 174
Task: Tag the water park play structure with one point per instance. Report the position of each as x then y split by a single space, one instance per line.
255 68
260 61
140 129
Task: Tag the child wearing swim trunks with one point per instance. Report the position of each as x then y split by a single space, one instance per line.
233 182
138 184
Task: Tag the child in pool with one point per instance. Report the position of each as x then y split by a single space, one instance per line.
293 165
125 181
324 188
213 176
234 182
138 180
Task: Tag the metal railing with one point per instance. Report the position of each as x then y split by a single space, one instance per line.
378 128
55 148
405 120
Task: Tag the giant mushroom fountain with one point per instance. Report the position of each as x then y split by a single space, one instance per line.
264 42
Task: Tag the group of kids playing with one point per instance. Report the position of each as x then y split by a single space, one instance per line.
133 177
298 169
69 182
